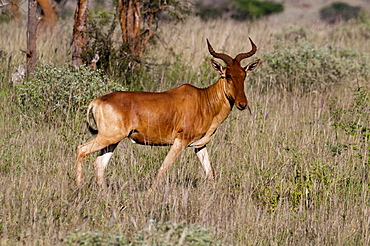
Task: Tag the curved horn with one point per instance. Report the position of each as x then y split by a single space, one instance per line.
224 57
242 56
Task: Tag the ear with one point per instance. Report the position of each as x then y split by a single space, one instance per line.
217 66
251 66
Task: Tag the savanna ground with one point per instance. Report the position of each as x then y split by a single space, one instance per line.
294 172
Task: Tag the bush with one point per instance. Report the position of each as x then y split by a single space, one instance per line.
6 14
94 238
306 67
208 11
355 120
339 11
237 9
155 234
175 234
62 91
114 57
253 9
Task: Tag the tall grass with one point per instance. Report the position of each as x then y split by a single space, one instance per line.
293 172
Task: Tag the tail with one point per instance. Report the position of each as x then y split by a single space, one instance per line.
91 129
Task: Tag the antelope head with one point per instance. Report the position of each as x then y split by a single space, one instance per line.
234 74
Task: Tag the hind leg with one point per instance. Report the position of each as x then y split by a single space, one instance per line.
84 150
102 162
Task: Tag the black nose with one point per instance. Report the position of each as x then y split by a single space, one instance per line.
242 106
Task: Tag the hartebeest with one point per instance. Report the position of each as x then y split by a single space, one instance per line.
185 116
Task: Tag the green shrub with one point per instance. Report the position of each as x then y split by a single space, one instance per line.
339 11
94 238
355 120
299 186
175 234
237 9
168 233
114 57
62 91
208 11
307 67
6 14
253 9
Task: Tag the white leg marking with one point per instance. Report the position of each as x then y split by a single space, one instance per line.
204 159
100 165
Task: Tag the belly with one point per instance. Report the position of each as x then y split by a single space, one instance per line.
160 135
153 139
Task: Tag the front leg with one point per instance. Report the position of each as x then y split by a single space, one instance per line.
178 146
202 154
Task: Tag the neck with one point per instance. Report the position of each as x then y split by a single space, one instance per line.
218 98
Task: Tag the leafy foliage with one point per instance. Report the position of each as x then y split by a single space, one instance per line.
94 238
339 11
175 233
62 91
6 15
237 9
355 121
307 67
114 57
174 10
253 9
118 58
155 234
207 11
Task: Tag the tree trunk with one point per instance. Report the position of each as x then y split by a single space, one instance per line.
79 31
31 37
49 18
130 20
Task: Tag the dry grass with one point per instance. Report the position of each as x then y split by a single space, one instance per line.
285 175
